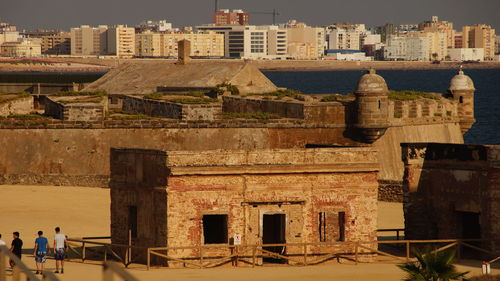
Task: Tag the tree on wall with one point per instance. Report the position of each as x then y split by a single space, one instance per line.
432 266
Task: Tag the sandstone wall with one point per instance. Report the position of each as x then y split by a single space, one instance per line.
88 112
18 106
69 153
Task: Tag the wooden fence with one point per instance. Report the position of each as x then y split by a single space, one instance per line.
20 268
295 254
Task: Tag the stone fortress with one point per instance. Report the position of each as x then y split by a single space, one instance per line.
73 147
217 149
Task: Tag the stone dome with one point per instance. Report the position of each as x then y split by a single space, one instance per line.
372 83
461 82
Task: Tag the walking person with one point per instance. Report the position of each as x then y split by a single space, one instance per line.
60 248
40 252
16 247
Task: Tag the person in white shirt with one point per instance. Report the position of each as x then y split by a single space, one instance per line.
2 243
60 247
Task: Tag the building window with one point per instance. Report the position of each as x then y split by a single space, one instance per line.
132 220
215 229
331 226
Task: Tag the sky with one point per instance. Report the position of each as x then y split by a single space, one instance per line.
64 14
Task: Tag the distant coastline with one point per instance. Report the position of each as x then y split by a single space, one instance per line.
103 65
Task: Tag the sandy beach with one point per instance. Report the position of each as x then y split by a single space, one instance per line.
84 211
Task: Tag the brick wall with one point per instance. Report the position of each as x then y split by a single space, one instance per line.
18 106
74 112
244 185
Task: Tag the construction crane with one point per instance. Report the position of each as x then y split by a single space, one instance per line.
216 6
274 13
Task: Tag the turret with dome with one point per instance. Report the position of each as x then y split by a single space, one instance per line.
462 90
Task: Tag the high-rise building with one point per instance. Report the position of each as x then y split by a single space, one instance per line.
305 42
250 41
387 31
121 41
410 48
89 41
345 36
480 36
149 44
236 17
435 25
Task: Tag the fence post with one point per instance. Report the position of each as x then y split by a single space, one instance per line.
149 258
129 249
459 249
3 262
83 252
105 253
305 254
407 250
356 252
254 252
201 256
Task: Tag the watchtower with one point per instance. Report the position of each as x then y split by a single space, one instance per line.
462 89
372 103
184 50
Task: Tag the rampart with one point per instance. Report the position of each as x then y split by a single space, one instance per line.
166 109
74 112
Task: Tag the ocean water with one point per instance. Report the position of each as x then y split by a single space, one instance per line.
487 96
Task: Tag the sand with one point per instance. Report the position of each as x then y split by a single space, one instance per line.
83 211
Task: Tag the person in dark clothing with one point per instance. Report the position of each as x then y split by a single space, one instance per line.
16 247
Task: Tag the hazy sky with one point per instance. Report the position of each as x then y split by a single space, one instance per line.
32 14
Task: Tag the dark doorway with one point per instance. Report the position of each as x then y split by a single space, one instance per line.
273 232
132 221
471 229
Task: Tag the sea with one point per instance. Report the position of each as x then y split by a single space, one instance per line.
486 81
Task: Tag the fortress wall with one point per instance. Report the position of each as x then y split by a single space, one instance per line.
18 106
81 156
436 110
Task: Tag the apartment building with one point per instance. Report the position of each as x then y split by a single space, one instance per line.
57 44
409 48
345 36
435 25
250 41
89 41
208 44
466 54
121 41
480 36
24 48
304 42
236 17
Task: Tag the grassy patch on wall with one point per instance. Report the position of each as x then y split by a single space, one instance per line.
29 116
7 97
412 95
126 115
83 93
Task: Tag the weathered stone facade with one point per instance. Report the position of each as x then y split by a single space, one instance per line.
74 112
172 193
452 191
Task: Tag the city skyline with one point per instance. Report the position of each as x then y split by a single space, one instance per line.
61 14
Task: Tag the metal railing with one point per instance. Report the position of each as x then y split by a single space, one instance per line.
20 268
397 230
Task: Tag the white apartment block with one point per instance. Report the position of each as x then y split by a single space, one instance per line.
250 41
155 25
121 41
407 48
466 54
